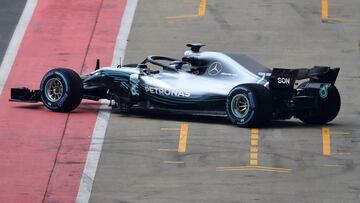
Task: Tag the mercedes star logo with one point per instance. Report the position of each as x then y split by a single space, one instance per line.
214 68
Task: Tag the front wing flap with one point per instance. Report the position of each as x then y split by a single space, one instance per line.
24 94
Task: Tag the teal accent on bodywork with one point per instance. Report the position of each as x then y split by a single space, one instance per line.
171 100
124 84
115 74
323 91
130 85
134 88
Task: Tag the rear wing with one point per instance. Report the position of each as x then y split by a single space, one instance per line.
285 78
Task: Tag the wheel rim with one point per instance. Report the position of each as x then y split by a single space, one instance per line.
54 89
240 105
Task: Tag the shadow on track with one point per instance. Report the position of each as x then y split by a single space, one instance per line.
283 124
137 113
173 117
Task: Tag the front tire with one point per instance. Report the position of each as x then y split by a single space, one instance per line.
249 105
61 90
328 108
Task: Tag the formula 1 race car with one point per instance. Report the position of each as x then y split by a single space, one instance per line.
201 83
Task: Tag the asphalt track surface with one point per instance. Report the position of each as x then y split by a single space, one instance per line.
10 12
162 158
292 162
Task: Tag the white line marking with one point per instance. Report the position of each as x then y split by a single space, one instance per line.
125 27
15 42
88 176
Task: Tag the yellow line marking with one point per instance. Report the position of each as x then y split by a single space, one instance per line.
253 162
253 156
255 136
202 8
342 153
263 167
341 20
184 128
254 149
201 12
182 16
256 168
254 142
333 165
173 162
324 10
334 4
254 130
169 129
167 150
326 141
340 133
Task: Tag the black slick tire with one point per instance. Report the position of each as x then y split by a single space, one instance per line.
61 90
328 108
249 105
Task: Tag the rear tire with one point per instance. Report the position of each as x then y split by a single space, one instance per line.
61 90
249 105
328 108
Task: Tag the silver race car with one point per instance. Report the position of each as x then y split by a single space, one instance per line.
201 83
